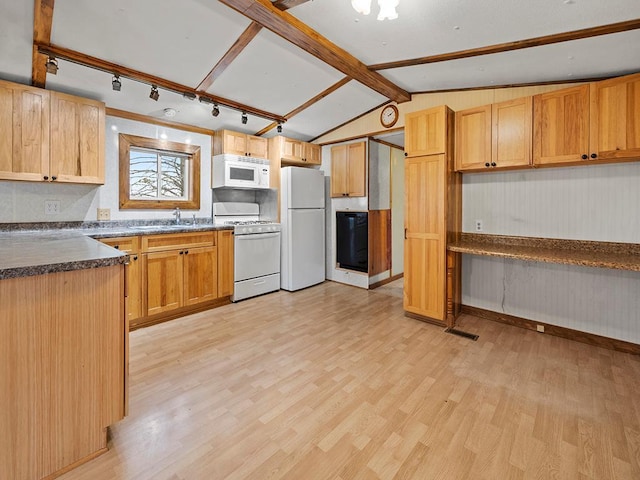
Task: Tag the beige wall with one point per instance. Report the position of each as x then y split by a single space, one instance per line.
458 100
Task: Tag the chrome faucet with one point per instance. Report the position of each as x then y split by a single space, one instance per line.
176 213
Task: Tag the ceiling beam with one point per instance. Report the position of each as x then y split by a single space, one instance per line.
304 37
115 69
239 45
42 21
307 104
517 45
287 4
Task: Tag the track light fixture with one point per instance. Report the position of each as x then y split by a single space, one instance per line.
215 111
279 127
189 95
244 118
116 84
205 100
154 95
52 66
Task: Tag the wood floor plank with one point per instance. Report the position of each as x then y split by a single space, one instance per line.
334 382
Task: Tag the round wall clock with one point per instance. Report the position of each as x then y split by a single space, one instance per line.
389 116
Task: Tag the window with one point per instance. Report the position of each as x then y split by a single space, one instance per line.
158 174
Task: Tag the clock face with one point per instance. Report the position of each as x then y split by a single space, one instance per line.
389 116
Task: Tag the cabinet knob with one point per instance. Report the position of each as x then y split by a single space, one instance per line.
406 154
136 257
181 253
46 177
54 178
186 252
594 155
493 164
585 156
117 247
487 164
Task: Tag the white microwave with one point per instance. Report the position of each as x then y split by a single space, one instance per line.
235 171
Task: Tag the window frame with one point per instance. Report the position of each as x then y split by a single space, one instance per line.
126 142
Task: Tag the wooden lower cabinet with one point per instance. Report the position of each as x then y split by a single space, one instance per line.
63 360
164 281
200 275
131 246
225 263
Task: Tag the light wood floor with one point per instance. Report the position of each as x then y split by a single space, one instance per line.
333 382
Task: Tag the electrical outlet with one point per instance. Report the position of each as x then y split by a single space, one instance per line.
540 328
104 214
478 225
52 207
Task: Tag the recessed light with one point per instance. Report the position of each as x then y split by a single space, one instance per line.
169 112
114 128
163 136
457 27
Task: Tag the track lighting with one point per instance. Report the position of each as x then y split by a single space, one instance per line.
116 84
52 66
215 111
205 100
189 95
154 95
244 118
279 127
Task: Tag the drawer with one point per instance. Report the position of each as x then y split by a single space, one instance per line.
172 241
124 244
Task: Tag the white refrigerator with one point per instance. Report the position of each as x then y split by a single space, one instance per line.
302 218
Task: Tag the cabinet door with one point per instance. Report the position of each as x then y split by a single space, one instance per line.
77 139
425 132
24 132
425 236
615 122
561 126
200 275
339 171
512 133
225 263
291 150
473 138
164 281
312 153
234 142
356 153
131 246
257 146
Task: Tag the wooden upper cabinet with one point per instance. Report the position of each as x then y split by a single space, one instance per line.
24 132
615 118
473 138
425 132
511 133
289 151
77 139
236 143
561 126
348 170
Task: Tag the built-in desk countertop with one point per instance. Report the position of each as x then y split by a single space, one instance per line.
620 256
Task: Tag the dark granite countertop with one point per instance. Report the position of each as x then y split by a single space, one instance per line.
37 249
619 256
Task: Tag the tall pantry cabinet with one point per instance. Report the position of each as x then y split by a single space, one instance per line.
432 218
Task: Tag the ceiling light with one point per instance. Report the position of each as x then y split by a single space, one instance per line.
279 127
244 118
362 6
205 100
189 95
169 112
52 66
116 84
388 9
215 111
154 95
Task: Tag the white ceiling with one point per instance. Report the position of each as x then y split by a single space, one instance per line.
182 41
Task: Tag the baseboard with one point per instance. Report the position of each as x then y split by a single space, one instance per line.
385 281
568 333
180 312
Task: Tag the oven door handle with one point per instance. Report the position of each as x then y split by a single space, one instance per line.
257 236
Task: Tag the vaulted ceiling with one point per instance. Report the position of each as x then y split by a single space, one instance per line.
311 64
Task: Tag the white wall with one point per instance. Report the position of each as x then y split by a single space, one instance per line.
333 205
24 201
596 202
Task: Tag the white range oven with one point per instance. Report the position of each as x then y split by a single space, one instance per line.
256 249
